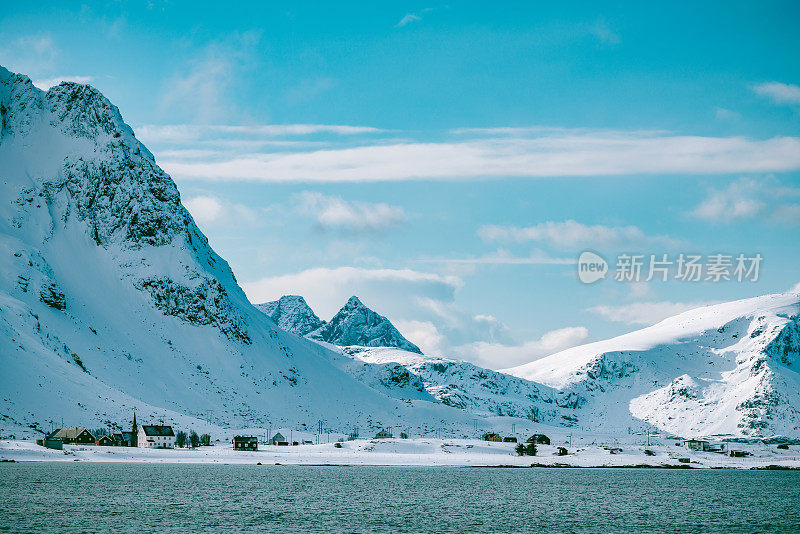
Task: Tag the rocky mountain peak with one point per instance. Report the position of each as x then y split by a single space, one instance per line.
293 314
355 324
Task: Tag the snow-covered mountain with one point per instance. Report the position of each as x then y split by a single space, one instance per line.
366 337
355 324
730 368
475 389
292 314
111 298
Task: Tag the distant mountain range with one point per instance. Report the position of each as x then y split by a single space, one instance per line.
353 324
111 300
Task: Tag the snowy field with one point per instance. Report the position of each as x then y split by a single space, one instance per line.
417 452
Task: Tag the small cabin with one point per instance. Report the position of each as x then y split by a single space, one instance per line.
739 454
78 436
562 451
51 443
245 443
695 444
106 441
539 439
403 435
491 436
509 439
383 434
277 439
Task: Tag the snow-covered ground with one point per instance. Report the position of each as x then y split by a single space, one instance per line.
586 451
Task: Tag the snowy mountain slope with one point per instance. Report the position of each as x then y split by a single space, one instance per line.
408 374
355 324
478 390
111 298
731 368
292 314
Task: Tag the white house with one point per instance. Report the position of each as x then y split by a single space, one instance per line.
156 437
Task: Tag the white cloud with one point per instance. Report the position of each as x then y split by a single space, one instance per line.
31 55
47 83
747 198
503 257
572 234
336 213
326 289
423 334
186 133
644 313
502 356
201 91
578 153
603 32
725 114
407 19
788 214
779 93
208 210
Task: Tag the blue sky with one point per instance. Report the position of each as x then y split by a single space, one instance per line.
448 163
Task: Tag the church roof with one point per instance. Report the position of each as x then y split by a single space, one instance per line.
157 430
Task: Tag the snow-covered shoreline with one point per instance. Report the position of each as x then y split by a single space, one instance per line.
413 452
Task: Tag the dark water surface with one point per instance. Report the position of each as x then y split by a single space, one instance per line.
84 497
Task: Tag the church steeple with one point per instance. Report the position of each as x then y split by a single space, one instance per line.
134 432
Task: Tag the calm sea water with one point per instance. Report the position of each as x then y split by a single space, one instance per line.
83 497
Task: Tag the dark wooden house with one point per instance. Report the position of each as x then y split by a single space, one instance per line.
76 436
107 441
245 443
539 439
492 436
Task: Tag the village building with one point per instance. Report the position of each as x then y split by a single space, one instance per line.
509 439
77 436
491 436
106 441
245 443
51 443
539 439
383 434
562 451
695 444
155 437
278 439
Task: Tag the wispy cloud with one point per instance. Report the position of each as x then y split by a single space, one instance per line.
408 18
603 32
190 133
32 55
327 289
502 356
201 90
572 234
747 198
725 114
47 83
207 210
644 313
559 154
335 213
503 257
779 93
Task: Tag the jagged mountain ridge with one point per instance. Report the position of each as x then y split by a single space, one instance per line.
293 314
353 324
726 369
112 300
